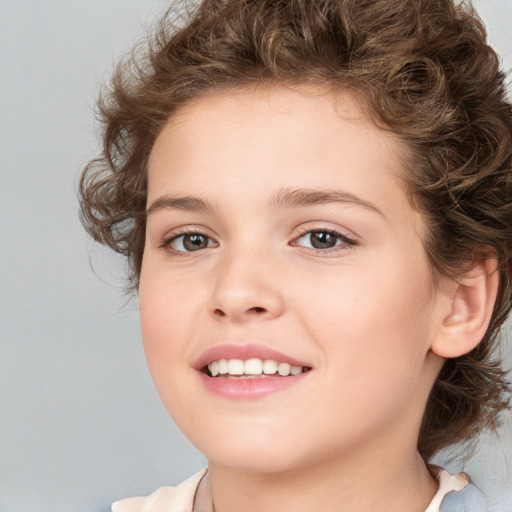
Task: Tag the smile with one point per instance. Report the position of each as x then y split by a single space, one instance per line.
252 368
249 371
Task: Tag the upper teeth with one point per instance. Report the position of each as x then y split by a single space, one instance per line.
252 367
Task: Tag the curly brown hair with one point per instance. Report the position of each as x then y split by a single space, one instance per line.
424 71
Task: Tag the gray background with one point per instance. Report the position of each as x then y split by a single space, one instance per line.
80 423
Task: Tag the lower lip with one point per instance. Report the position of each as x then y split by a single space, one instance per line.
241 388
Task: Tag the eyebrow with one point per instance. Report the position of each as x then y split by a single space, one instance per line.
187 204
284 198
292 198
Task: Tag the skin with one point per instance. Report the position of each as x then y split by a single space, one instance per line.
364 315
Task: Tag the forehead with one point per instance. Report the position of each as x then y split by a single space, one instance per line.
258 139
247 116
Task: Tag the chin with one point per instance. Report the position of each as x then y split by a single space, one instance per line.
259 453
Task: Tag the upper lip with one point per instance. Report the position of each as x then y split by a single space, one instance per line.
244 352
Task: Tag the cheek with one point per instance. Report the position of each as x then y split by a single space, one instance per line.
162 311
372 322
168 305
166 324
374 342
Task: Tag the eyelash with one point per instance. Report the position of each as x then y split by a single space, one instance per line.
167 241
346 241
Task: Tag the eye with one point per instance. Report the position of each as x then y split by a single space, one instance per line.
322 239
188 242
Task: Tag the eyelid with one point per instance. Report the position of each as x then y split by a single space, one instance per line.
165 242
348 241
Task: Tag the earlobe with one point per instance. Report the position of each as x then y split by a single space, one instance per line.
467 311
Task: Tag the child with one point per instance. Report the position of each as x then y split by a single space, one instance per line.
315 199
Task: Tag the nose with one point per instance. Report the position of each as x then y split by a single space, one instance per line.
245 289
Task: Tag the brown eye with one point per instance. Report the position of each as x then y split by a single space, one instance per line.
323 239
319 240
190 242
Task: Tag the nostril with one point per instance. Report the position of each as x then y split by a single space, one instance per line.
238 314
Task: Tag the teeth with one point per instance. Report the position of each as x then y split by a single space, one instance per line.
235 367
296 370
270 367
252 367
223 366
284 369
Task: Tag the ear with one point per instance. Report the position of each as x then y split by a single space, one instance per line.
466 310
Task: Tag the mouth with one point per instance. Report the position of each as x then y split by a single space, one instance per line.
254 368
249 371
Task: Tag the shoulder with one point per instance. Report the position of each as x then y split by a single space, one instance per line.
457 494
164 499
470 499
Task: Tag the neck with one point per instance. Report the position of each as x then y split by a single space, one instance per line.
393 483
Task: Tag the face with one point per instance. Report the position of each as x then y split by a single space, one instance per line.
282 248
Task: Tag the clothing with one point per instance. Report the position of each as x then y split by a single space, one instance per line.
455 494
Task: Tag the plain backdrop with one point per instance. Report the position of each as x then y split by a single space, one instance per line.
80 422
